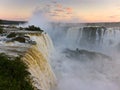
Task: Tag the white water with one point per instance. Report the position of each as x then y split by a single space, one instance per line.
76 37
98 74
37 59
84 73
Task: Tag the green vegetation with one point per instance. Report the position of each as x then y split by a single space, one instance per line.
14 74
33 28
11 35
0 21
8 22
1 29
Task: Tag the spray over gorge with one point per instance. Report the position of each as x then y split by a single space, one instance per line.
34 49
60 45
86 55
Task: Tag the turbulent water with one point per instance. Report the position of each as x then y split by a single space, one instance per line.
82 58
36 57
86 58
85 36
42 75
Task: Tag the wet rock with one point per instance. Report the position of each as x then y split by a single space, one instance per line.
19 39
32 42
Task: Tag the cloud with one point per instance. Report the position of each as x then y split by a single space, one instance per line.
59 10
56 11
114 16
69 10
54 1
59 6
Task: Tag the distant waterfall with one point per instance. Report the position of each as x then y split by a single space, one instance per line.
37 60
90 37
87 57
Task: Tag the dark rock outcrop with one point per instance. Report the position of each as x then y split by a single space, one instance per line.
19 39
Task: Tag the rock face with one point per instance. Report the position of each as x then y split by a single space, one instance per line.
22 38
32 42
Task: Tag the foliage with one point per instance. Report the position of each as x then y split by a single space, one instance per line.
0 21
33 28
8 22
11 35
1 29
14 74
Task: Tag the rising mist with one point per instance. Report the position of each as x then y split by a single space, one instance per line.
86 56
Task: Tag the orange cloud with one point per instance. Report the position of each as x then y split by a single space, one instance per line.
69 10
59 10
59 6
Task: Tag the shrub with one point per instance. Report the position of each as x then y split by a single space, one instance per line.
11 35
14 74
0 21
33 28
1 29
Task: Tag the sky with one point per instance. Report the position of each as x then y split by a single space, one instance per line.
62 10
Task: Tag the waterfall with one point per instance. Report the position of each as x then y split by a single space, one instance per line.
78 65
44 43
36 56
37 59
89 59
90 37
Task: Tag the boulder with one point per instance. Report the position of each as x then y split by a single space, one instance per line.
19 39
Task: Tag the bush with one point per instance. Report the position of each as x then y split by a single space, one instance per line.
11 35
0 21
33 28
1 29
14 74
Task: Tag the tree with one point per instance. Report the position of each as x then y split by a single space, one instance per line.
14 74
33 28
1 29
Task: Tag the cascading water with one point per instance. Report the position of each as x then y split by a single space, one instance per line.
36 56
37 60
43 77
44 43
90 37
86 58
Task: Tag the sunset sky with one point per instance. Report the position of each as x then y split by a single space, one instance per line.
62 10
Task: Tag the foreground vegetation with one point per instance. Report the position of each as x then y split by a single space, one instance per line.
33 28
9 22
1 29
14 74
